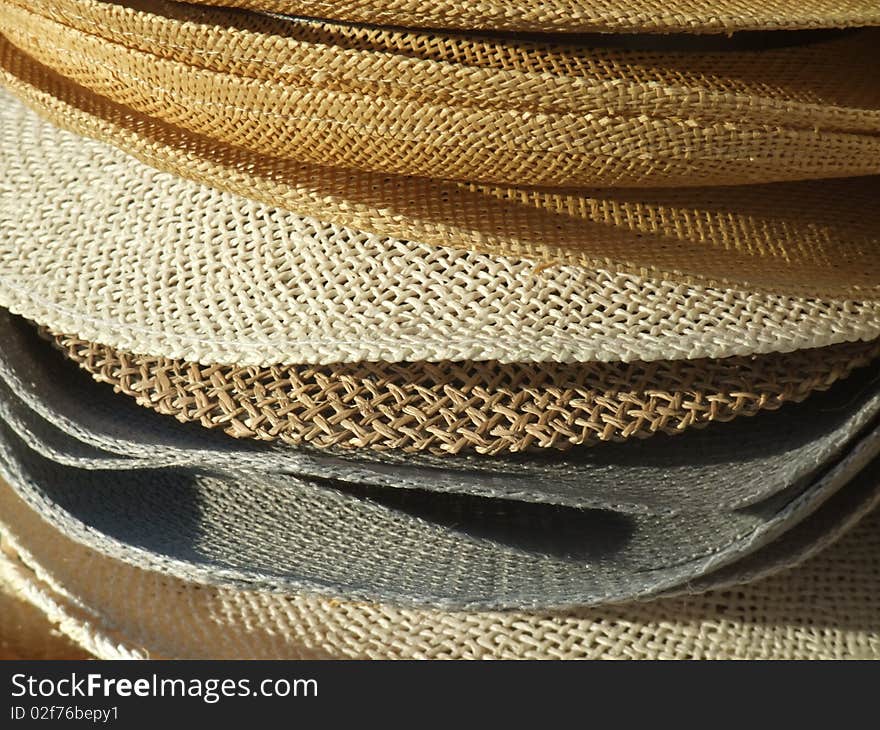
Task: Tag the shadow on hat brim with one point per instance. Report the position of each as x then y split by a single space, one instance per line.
822 609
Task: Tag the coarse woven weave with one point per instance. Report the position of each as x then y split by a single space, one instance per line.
174 269
488 110
449 407
808 238
823 609
63 414
284 533
576 16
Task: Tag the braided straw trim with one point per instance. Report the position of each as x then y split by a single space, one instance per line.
577 16
459 108
451 407
810 239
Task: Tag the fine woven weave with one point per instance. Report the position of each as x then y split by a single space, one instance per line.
576 16
811 238
173 269
451 407
25 631
493 111
823 609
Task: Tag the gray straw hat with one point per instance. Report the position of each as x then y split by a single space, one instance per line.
201 511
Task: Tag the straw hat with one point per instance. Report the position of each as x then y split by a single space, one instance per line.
284 532
494 110
25 631
449 407
688 16
173 269
826 608
777 238
72 420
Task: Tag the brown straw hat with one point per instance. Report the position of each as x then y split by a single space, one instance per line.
811 238
449 407
490 110
635 16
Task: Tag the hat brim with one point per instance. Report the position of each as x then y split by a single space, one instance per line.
286 532
778 238
568 16
283 533
458 407
492 110
115 610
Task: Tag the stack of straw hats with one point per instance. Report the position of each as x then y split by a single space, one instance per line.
438 329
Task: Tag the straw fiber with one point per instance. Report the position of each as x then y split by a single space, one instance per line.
62 413
169 268
575 16
282 532
823 609
25 630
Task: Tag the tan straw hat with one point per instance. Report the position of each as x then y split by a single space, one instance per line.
766 233
635 16
491 110
449 407
25 630
809 237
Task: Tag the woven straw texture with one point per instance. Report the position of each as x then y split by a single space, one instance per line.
812 238
575 16
491 111
173 269
452 407
25 631
284 533
824 609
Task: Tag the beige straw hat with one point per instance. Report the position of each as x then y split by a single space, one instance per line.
25 630
449 407
101 246
660 16
490 110
825 608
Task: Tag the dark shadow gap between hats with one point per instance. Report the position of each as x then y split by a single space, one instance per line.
549 529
